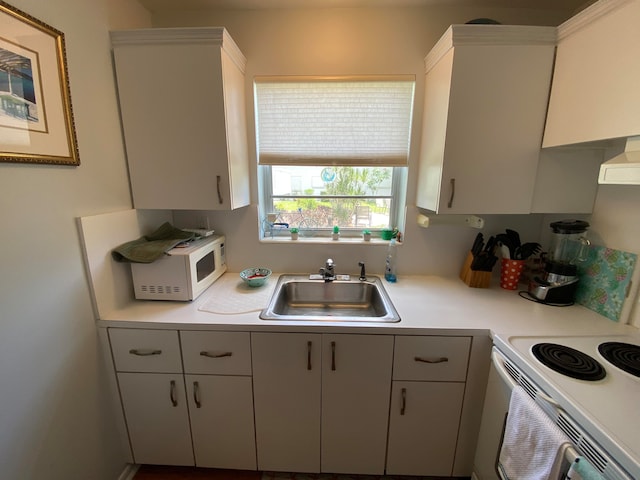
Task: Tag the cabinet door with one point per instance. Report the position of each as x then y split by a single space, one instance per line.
356 382
485 106
236 123
595 94
423 427
176 142
155 408
286 385
221 412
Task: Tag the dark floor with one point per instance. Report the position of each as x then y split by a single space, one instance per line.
156 472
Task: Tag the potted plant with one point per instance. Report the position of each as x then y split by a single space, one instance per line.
366 235
336 233
294 233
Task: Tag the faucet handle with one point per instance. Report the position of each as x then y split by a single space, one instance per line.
329 262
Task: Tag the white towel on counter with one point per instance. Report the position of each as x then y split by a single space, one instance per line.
533 447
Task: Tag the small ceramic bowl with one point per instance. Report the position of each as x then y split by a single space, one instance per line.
255 277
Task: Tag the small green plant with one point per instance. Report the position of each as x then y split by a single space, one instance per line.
336 229
294 230
366 232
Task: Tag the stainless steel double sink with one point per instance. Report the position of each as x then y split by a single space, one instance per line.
299 298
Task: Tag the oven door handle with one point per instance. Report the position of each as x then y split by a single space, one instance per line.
498 362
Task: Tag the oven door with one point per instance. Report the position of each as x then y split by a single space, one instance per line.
496 405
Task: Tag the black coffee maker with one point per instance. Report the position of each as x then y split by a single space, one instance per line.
559 281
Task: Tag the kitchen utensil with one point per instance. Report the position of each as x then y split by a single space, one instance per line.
525 250
514 236
504 239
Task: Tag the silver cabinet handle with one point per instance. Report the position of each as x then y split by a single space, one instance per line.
218 180
144 352
403 407
172 394
196 394
431 360
333 355
216 355
309 355
453 192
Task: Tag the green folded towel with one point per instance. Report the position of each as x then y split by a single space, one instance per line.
151 247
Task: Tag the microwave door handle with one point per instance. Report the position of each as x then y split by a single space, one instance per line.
500 368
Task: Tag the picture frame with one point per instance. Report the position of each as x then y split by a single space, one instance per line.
36 118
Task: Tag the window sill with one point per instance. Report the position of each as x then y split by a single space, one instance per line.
325 240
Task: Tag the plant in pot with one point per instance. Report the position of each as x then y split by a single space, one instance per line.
366 235
294 233
336 233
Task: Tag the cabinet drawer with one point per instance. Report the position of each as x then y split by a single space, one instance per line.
219 353
431 358
145 350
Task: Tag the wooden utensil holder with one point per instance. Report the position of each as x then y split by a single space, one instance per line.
474 278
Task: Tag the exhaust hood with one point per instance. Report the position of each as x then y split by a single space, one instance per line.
623 169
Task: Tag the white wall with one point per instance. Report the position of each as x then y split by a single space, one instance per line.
379 40
56 415
349 41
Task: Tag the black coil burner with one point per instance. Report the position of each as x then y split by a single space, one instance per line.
625 356
569 361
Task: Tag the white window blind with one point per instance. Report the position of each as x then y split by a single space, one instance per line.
354 121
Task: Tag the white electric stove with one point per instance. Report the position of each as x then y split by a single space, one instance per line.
599 397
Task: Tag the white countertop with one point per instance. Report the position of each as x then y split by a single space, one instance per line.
426 304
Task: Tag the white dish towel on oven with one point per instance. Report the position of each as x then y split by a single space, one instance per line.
533 447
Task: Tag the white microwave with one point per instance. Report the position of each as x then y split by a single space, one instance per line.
183 273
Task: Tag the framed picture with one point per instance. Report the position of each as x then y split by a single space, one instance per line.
36 119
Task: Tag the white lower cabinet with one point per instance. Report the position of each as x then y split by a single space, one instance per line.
356 382
297 402
221 412
321 401
286 391
203 417
423 427
426 404
155 410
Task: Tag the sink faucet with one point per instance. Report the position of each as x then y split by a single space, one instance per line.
363 274
327 271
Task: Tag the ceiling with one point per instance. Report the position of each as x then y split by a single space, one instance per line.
174 5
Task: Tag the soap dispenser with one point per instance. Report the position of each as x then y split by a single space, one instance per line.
390 263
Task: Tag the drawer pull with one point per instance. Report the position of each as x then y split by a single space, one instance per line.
215 354
431 360
333 355
403 407
144 352
309 355
172 394
196 394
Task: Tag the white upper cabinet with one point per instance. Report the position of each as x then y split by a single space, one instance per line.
595 94
182 103
485 103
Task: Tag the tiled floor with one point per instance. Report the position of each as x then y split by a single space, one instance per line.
154 472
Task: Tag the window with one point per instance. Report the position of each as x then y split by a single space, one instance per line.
332 151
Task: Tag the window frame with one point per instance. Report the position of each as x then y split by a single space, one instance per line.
266 204
396 211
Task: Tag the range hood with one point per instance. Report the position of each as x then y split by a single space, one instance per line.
623 169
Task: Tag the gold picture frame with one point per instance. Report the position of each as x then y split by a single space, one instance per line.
36 119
